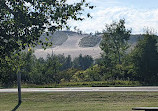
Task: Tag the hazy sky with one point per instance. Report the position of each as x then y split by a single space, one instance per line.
138 14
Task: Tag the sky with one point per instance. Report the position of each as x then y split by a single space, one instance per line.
138 14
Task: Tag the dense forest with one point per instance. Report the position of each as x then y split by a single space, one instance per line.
140 64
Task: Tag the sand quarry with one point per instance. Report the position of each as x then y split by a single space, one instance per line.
70 47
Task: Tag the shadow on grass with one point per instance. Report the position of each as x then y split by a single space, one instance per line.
16 107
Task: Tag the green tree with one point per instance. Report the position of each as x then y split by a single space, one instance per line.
114 45
93 73
7 75
23 22
36 76
29 62
144 58
67 63
66 75
52 69
115 41
83 62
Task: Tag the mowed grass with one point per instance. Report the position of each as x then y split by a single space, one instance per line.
79 101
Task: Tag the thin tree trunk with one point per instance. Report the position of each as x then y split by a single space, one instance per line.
19 87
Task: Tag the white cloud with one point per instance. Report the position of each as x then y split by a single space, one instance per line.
137 19
107 11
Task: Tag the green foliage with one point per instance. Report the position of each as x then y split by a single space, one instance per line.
113 83
7 75
10 66
21 26
52 70
89 41
83 62
90 74
144 59
23 22
78 76
65 61
114 45
115 68
67 75
45 71
109 83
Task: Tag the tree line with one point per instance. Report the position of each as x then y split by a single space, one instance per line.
53 69
139 64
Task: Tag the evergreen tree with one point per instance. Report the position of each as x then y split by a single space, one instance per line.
82 62
145 59
68 62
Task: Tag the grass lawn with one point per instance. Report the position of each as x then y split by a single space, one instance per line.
79 101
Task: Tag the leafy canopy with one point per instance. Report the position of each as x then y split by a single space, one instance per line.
23 21
114 41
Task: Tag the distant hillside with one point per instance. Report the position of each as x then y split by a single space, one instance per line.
133 40
58 38
91 40
72 43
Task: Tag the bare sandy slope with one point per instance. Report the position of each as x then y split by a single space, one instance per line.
70 47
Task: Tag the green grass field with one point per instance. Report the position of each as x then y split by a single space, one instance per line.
79 101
